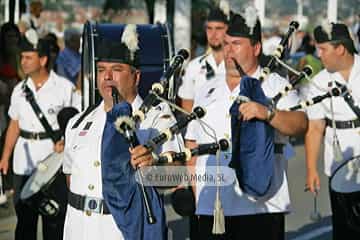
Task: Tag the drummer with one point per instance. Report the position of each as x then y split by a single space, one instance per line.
117 65
26 135
342 65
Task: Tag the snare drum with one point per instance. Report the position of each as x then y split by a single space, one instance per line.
46 189
156 49
345 182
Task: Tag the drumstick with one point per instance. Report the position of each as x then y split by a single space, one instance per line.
1 184
315 214
3 197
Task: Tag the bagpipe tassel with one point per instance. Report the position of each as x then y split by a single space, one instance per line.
219 218
337 150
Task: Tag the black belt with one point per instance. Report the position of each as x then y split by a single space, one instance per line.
37 135
87 204
343 124
279 148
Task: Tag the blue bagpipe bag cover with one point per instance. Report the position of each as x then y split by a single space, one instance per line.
252 143
121 191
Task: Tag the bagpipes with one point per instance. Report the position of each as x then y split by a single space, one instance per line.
126 126
158 89
339 90
125 123
252 141
278 53
334 92
257 161
306 72
187 154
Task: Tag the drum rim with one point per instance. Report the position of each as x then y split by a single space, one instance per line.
93 28
342 164
51 180
338 169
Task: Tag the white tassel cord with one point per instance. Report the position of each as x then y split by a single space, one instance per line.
336 144
219 218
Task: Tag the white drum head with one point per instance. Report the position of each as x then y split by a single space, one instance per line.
346 179
45 170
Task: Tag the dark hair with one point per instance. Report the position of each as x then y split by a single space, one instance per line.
306 45
348 45
54 50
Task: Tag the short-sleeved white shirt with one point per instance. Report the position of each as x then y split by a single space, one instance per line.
55 94
83 161
349 139
195 75
217 99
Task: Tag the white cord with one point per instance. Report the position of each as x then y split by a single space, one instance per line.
297 73
203 124
336 144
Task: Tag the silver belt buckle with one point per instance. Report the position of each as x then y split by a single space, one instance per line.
93 204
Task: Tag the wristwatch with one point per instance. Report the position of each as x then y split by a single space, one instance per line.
270 114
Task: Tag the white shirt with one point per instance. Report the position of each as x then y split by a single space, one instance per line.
32 21
56 93
82 161
217 99
195 75
349 139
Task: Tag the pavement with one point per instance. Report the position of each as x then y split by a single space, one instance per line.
299 225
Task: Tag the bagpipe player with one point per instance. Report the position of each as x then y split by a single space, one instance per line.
105 200
243 213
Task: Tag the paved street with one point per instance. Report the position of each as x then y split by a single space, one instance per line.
299 226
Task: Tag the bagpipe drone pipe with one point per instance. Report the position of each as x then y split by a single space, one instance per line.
279 52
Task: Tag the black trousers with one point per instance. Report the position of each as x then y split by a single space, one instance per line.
259 226
341 208
27 217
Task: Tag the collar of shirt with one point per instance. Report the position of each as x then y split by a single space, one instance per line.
257 73
48 83
137 102
236 90
134 105
211 60
355 70
34 20
354 73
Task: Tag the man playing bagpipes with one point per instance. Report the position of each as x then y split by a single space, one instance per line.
105 200
262 131
336 118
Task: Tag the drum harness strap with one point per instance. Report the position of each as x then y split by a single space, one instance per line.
82 117
353 106
29 95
